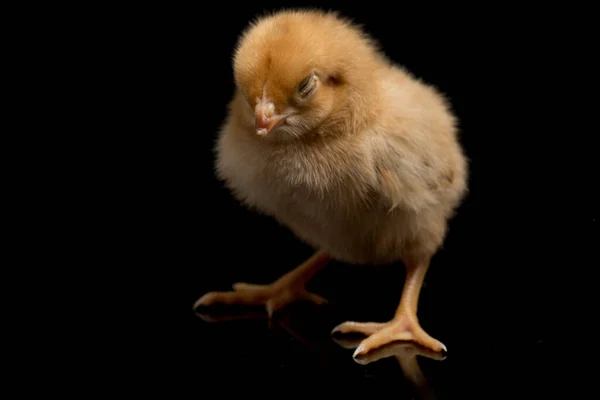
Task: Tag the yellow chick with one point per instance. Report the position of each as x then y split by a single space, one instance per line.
346 149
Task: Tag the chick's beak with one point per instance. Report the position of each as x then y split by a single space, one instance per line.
266 120
264 125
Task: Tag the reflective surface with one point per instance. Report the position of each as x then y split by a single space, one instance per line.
484 352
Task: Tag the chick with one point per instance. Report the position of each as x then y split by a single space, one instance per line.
352 153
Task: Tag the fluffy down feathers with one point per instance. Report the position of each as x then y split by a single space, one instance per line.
367 167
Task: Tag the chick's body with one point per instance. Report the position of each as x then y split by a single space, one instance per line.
367 169
378 193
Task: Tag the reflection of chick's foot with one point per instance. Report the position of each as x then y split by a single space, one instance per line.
404 327
403 351
275 296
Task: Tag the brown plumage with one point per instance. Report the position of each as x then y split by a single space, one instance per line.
348 150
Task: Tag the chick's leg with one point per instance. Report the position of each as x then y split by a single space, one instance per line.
405 324
290 287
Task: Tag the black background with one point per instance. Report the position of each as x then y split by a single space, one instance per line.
500 293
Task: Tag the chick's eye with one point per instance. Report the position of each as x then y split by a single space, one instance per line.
307 86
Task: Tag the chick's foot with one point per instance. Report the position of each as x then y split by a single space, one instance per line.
274 296
277 295
404 327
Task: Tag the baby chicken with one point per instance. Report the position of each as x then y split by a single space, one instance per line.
346 149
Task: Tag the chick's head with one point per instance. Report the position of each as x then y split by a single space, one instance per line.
293 68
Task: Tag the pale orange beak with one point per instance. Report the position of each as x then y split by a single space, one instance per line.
264 124
266 120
